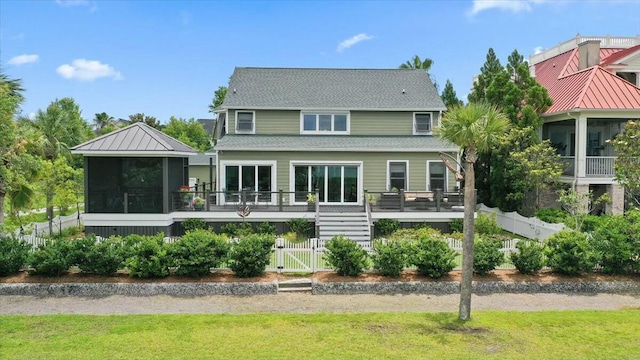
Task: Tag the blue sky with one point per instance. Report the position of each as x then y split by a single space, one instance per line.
166 58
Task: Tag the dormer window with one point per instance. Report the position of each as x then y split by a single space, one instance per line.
422 124
324 123
245 122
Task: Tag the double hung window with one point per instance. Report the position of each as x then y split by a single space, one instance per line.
422 124
245 122
321 123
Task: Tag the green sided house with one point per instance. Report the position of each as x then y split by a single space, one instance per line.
341 148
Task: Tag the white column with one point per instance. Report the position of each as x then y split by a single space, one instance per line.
581 146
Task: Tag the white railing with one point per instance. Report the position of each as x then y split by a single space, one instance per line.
59 223
598 166
532 228
605 42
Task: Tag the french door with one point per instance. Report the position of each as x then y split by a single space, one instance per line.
337 184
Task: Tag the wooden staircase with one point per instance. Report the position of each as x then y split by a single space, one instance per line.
354 225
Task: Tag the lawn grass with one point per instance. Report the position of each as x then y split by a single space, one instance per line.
490 335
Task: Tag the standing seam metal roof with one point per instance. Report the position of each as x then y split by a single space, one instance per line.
135 137
297 88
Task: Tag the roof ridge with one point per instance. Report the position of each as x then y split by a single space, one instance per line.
578 72
147 129
104 136
594 70
566 64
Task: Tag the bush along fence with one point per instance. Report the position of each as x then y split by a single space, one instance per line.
532 228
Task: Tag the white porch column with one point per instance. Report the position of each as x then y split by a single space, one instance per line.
581 146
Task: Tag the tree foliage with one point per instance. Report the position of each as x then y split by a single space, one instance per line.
103 123
449 96
417 63
522 100
189 132
218 98
149 120
627 165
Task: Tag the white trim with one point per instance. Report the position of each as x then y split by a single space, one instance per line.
430 132
446 175
133 153
226 120
406 173
103 219
403 150
338 108
235 123
360 186
223 175
324 132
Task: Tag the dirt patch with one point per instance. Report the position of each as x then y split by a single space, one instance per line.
325 277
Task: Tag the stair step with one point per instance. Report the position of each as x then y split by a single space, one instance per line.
308 288
294 285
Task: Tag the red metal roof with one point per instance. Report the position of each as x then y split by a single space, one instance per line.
618 55
592 88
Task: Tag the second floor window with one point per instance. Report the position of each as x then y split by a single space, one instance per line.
244 121
422 123
324 123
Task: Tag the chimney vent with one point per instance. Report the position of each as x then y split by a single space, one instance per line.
588 54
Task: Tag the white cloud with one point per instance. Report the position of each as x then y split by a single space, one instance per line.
69 3
537 50
515 6
23 59
352 41
87 70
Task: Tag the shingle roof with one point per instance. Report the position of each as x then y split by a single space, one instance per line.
202 159
352 89
333 143
137 138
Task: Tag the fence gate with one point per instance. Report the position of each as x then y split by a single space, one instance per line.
297 257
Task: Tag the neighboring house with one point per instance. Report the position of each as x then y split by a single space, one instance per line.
202 171
595 86
208 125
361 142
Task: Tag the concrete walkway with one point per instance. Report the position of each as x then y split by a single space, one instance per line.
307 303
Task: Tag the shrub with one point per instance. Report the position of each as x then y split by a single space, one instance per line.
487 224
104 258
456 225
194 224
300 226
129 245
614 247
251 255
149 258
591 222
568 252
266 228
529 258
385 227
487 254
391 258
411 235
433 257
346 256
553 215
13 255
78 250
198 251
50 259
235 230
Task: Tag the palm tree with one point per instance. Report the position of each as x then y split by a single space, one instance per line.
103 120
417 63
474 127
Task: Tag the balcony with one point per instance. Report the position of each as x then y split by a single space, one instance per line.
595 166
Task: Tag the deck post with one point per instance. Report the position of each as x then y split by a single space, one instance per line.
280 195
438 195
401 200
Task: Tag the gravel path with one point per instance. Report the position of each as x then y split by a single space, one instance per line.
307 303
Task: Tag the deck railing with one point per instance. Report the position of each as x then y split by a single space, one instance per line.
438 201
599 166
605 42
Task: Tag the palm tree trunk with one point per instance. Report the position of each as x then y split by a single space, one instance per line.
464 312
49 201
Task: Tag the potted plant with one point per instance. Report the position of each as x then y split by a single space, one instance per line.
198 203
311 202
185 194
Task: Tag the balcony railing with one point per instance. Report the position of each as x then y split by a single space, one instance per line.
596 166
408 201
600 166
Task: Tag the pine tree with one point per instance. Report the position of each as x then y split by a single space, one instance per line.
449 96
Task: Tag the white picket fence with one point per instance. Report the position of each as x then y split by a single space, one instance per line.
308 256
529 227
59 223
